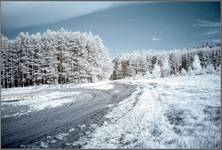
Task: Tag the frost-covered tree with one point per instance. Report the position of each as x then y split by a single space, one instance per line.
196 65
183 72
36 59
190 71
156 73
117 73
175 62
53 57
165 68
148 75
209 69
218 69
4 56
138 76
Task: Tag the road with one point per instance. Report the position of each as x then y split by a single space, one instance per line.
90 108
174 112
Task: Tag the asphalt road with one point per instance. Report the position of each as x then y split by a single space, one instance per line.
90 108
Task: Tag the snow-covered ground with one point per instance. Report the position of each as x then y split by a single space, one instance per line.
173 112
46 96
177 112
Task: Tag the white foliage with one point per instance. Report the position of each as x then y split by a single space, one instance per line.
196 65
156 73
54 57
171 62
190 72
138 76
210 69
183 72
147 75
166 67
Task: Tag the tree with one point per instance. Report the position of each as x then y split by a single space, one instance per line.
156 73
177 62
148 75
165 68
73 57
4 65
209 69
190 71
54 57
183 72
196 65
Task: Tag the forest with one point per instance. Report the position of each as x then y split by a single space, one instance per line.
154 64
58 57
53 57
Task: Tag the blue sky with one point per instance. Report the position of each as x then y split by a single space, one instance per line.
123 26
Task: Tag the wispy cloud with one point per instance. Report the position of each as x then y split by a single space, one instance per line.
212 32
155 39
206 23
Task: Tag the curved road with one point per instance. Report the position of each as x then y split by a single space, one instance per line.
89 108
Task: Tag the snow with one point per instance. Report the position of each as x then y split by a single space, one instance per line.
43 145
71 129
25 93
60 136
166 63
53 141
196 65
38 98
174 112
49 137
40 55
156 73
82 126
102 85
210 69
37 102
171 112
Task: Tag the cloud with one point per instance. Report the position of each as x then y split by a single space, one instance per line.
24 14
206 23
212 32
155 39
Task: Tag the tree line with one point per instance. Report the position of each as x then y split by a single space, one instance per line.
53 57
57 57
151 64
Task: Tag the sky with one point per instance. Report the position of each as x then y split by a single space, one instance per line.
123 26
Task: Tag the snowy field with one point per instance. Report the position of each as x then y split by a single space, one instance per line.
181 112
173 112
